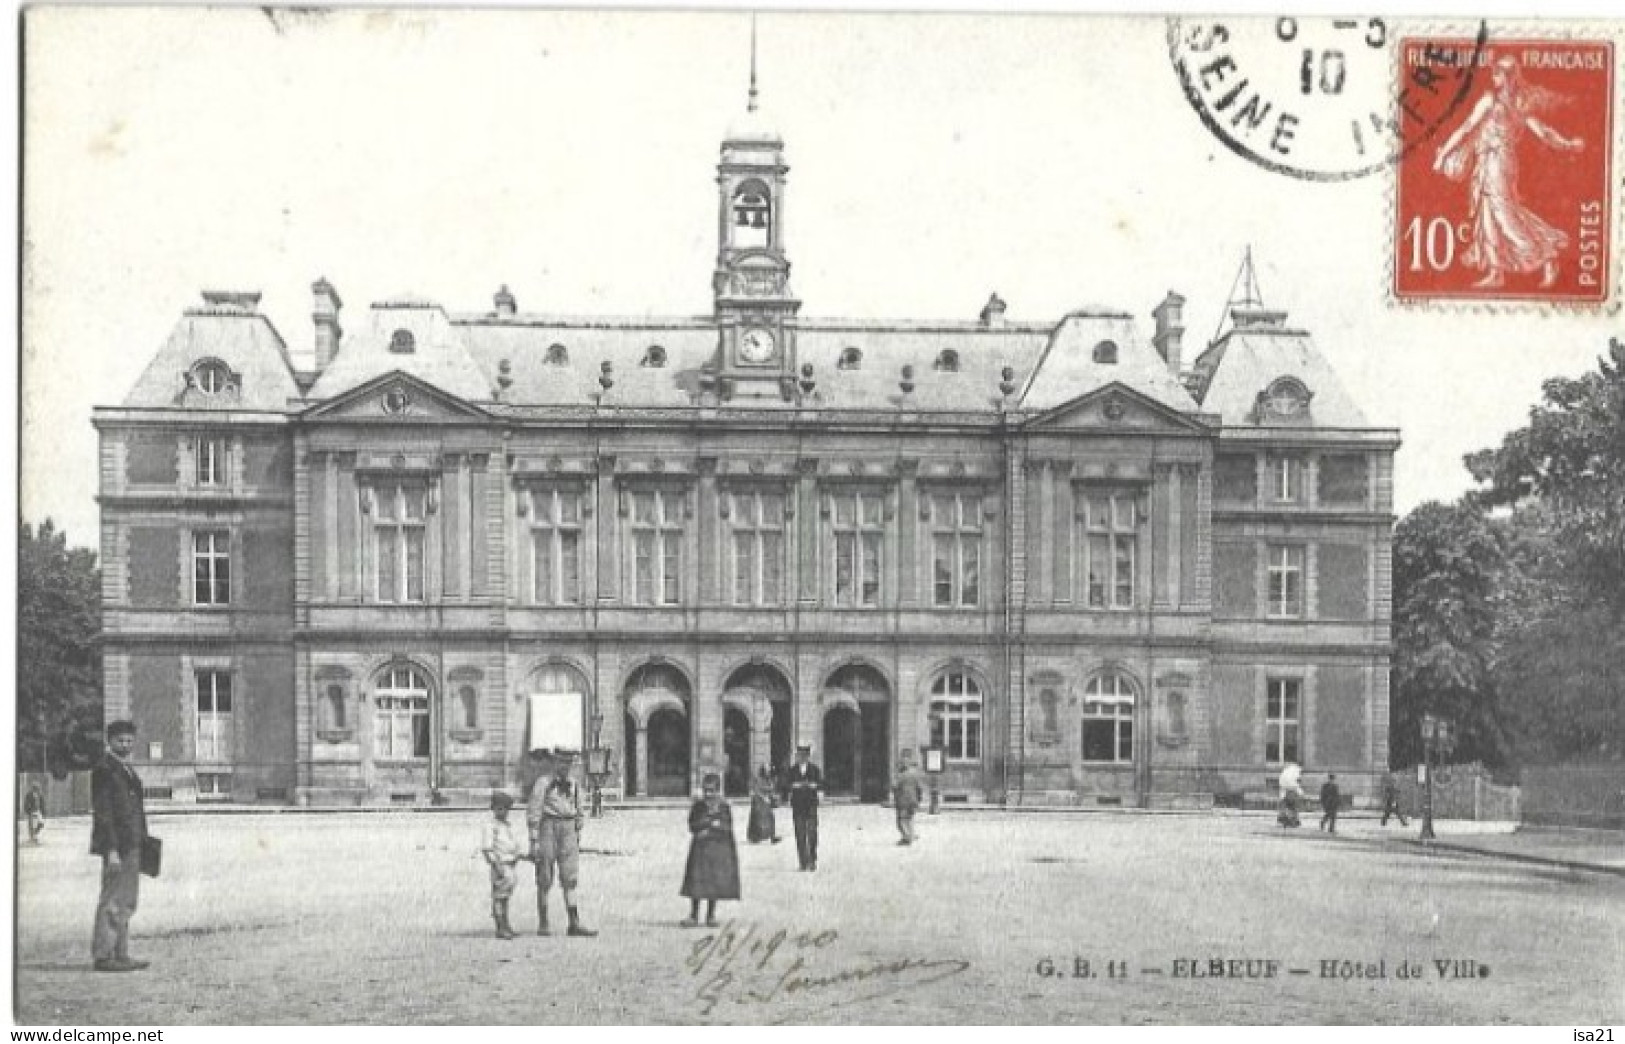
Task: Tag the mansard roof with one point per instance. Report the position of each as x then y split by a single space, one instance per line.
1089 350
410 335
1259 353
228 331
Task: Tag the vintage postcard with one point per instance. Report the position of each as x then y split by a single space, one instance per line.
705 518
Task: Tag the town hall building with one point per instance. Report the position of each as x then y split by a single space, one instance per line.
1083 567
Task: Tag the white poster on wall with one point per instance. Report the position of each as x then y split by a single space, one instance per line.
556 720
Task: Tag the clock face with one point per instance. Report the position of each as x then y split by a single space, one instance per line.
756 345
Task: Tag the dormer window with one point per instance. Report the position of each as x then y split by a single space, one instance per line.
402 342
1106 353
851 358
654 356
1285 397
558 355
948 361
211 377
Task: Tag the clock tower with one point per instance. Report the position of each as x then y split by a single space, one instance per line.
755 311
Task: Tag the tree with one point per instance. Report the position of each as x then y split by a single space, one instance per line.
1559 661
1448 562
59 670
1570 460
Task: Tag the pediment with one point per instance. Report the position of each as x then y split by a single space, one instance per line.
1116 407
396 397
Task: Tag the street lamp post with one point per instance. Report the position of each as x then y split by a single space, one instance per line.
596 767
1430 732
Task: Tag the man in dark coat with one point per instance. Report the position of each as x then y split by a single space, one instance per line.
1390 799
1330 798
805 781
118 832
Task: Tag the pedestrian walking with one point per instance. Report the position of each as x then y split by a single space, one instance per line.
554 816
1330 798
1390 799
805 781
712 872
34 811
906 791
763 824
500 847
118 833
1291 795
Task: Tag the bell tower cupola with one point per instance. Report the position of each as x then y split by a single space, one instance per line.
755 310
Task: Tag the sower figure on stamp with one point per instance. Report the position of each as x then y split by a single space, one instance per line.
804 782
906 793
554 816
1330 798
117 833
502 853
1390 799
1506 236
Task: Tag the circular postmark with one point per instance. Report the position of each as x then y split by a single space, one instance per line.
1317 98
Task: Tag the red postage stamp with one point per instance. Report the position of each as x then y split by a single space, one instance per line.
1509 198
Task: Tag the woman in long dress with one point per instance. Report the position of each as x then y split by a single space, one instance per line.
713 861
763 826
1506 236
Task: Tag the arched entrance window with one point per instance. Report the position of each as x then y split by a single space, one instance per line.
857 733
657 709
557 692
757 730
956 716
1108 719
400 716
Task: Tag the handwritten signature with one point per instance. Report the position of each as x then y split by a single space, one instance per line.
748 963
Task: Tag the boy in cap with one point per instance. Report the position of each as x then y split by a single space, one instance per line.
500 846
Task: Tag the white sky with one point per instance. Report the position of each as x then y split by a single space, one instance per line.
934 159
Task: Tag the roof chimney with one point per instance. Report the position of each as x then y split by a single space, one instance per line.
1170 319
325 313
506 305
993 313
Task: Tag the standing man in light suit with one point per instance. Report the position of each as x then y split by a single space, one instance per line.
805 781
118 830
553 814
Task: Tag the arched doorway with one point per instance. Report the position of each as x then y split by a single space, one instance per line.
659 732
857 733
668 753
757 721
841 751
736 749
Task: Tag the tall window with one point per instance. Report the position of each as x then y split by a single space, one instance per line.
758 547
1109 548
213 715
657 545
956 717
956 549
211 461
1282 720
211 567
1286 483
857 520
1286 581
398 535
555 539
400 718
1108 719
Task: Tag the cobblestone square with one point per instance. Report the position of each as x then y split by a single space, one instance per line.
990 918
